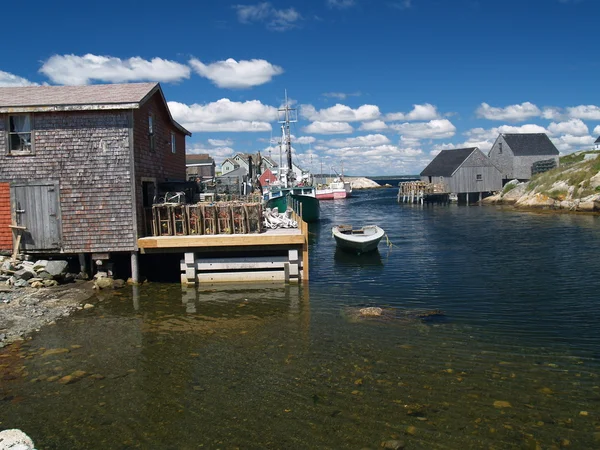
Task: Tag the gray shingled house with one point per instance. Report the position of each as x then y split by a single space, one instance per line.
597 142
200 166
515 154
81 165
463 171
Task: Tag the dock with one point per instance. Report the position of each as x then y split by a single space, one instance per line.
422 192
272 255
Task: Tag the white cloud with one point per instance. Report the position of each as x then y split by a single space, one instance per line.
233 74
220 142
341 4
341 95
10 80
374 125
552 113
369 140
419 112
80 70
574 127
340 113
319 127
597 130
512 113
569 143
528 128
587 112
275 19
304 139
434 129
224 115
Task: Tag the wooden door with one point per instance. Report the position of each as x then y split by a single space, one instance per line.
35 206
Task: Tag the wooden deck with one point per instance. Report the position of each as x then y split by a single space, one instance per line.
273 255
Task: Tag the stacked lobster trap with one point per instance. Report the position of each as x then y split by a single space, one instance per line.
169 219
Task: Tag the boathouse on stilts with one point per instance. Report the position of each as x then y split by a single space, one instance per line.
466 173
80 170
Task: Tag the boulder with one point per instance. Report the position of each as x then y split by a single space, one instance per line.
40 265
14 439
104 283
24 274
57 268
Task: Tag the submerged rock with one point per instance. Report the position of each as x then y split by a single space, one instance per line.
14 439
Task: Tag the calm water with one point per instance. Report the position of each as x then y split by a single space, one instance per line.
514 362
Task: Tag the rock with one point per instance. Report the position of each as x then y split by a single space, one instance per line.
104 283
57 268
20 283
393 444
45 275
371 311
37 284
40 265
14 439
118 284
50 283
24 274
55 351
88 306
502 404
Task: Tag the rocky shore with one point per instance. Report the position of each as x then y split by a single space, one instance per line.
34 294
362 183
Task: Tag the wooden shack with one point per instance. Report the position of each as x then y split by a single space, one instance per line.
515 154
81 164
463 171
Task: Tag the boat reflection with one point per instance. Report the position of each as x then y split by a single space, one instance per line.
348 259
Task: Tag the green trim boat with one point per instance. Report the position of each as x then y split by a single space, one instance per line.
285 193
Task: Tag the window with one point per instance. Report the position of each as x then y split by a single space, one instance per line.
20 134
479 177
500 147
151 131
173 145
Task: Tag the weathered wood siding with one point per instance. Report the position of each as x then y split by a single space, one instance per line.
522 165
503 161
5 218
88 153
160 164
465 179
512 166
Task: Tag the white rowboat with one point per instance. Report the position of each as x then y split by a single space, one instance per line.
357 240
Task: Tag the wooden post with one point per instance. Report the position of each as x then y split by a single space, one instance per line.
135 269
17 233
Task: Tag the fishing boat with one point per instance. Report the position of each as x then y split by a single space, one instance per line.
286 193
357 240
337 189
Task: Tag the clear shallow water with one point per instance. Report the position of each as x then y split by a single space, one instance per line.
513 363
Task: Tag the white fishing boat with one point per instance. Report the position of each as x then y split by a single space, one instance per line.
357 240
338 188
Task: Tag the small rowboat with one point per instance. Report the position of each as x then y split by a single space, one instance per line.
357 240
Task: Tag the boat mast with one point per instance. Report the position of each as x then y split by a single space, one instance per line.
287 115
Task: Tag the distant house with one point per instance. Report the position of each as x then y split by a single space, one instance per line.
228 165
515 154
597 142
199 166
463 171
82 164
244 160
267 178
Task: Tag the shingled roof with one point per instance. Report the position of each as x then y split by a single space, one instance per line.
24 99
530 144
202 158
597 141
446 162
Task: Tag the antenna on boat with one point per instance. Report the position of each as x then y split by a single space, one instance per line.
287 115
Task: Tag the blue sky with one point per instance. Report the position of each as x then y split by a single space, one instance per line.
381 86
